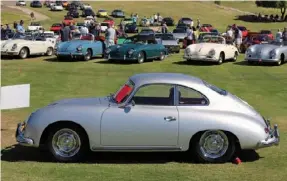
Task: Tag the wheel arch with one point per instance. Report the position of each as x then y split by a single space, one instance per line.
45 133
193 137
28 53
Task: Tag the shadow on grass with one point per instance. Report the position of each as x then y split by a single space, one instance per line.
196 63
17 153
67 59
255 19
264 64
118 62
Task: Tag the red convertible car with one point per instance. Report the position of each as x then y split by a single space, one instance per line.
253 38
110 21
206 27
56 27
268 33
69 20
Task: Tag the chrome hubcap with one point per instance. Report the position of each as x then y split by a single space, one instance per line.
213 144
66 143
140 58
23 53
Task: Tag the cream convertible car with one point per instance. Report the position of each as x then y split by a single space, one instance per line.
151 112
211 49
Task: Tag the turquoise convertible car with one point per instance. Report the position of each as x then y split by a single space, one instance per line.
138 48
86 47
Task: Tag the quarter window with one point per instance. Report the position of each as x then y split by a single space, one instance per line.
155 94
189 96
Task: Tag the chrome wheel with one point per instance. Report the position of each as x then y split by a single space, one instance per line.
213 144
162 56
49 51
279 62
66 143
140 57
88 55
23 53
220 60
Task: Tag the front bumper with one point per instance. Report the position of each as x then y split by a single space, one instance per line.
124 57
250 59
272 139
20 138
70 55
6 52
200 58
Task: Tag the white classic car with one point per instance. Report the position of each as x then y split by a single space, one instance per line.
26 45
56 7
51 36
211 48
35 26
20 3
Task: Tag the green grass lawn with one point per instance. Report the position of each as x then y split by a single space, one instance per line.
264 87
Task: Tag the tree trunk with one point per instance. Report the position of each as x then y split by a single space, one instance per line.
283 11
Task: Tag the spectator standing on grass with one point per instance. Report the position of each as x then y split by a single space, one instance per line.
190 36
238 37
65 33
110 36
3 33
15 24
198 23
84 30
164 28
284 34
279 35
155 18
229 35
32 16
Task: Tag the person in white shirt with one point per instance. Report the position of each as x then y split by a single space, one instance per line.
229 35
191 23
190 36
84 30
279 35
155 18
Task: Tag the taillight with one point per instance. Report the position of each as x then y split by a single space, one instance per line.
266 130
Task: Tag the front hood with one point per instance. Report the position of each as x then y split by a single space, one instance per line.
82 102
179 35
264 47
10 43
71 45
169 42
202 48
125 47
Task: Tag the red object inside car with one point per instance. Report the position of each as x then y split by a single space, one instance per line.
123 93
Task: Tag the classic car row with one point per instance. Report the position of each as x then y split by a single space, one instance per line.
221 124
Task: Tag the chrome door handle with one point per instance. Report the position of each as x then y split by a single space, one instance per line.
170 118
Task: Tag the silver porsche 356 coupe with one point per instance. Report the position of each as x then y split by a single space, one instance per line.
151 112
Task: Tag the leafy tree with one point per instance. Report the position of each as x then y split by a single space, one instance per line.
282 5
217 2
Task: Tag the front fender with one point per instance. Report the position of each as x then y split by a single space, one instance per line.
88 117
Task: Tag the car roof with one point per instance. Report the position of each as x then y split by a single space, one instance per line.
169 78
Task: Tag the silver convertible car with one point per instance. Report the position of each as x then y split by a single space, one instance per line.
273 52
151 112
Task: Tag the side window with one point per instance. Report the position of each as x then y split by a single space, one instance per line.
188 96
155 94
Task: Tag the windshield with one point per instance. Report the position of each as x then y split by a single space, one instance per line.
104 24
212 39
165 36
215 89
123 93
179 30
279 43
102 11
241 28
23 36
186 19
265 32
35 24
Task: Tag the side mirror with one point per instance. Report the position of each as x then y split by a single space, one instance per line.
124 105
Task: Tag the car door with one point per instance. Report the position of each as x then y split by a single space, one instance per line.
151 122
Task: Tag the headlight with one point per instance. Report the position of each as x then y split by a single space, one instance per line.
211 52
79 48
14 47
108 50
273 53
131 51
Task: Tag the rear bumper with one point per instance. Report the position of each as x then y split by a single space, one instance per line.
20 138
272 139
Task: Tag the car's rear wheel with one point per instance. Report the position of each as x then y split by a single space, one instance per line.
23 53
50 51
88 55
68 143
214 146
141 57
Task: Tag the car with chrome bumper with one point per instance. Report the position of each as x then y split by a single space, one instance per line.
71 127
169 41
138 48
85 48
211 49
273 52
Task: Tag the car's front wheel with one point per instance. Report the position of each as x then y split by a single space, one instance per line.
214 146
68 143
162 56
235 56
23 53
141 57
221 58
50 51
88 55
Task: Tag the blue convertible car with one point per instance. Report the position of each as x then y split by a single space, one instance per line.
86 47
139 48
